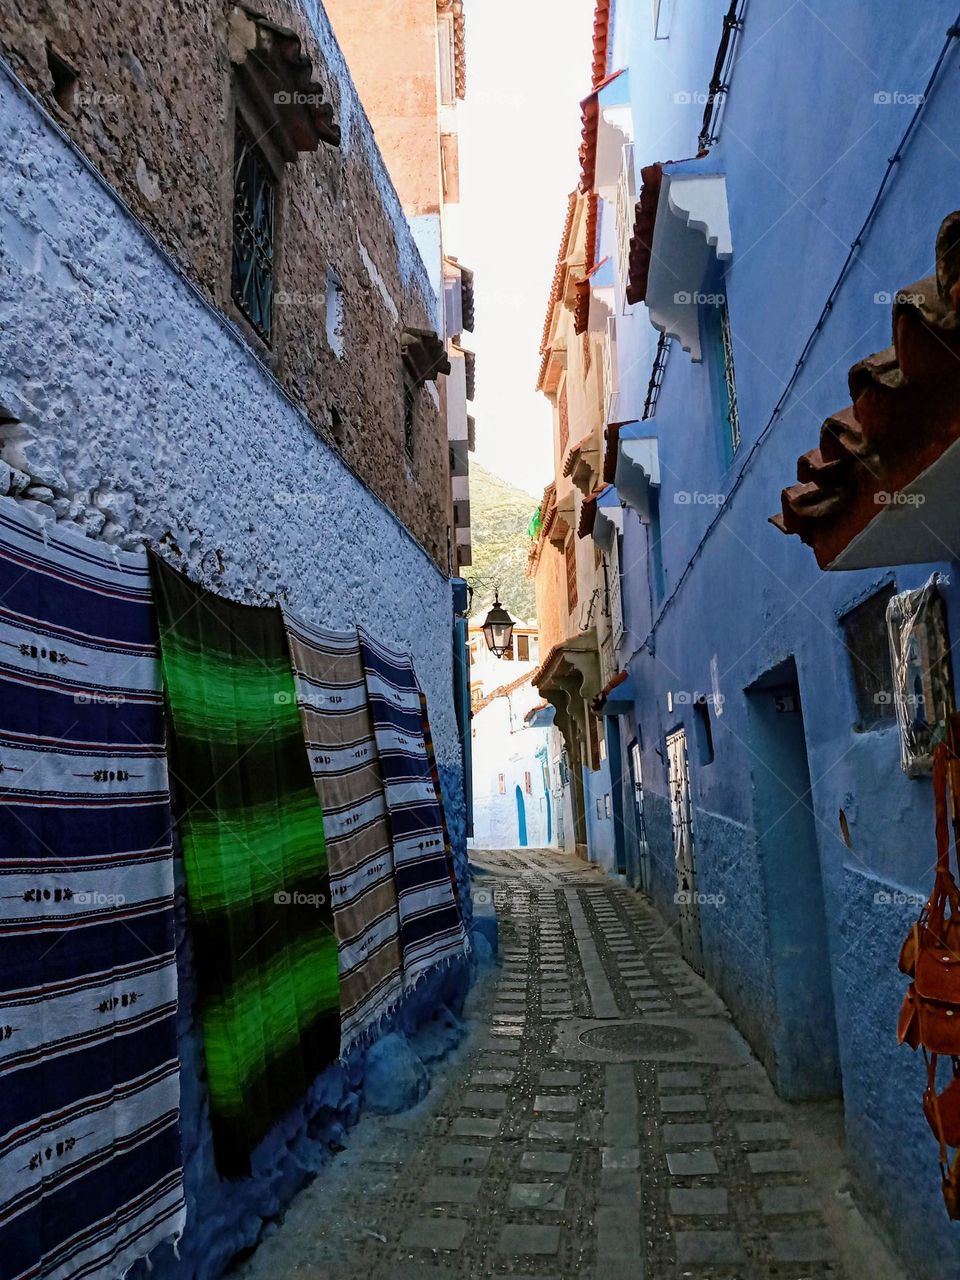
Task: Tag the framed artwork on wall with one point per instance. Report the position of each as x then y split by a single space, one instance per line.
922 681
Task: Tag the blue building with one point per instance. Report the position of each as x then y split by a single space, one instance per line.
766 181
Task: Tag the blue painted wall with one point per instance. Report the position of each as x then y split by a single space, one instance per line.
804 145
601 842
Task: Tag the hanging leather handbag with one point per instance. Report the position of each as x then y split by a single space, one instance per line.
930 1014
943 1109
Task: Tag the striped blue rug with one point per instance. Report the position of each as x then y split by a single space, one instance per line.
431 927
90 1176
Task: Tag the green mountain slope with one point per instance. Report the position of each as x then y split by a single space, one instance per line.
499 515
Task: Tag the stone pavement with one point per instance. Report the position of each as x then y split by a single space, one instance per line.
605 1119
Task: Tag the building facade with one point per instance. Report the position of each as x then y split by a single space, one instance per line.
769 758
512 804
411 99
220 341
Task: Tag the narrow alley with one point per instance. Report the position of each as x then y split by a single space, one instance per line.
604 1119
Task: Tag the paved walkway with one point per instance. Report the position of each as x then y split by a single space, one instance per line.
605 1120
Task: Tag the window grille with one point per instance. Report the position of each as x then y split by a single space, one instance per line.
254 205
571 557
729 377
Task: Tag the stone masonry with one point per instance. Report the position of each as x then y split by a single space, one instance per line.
152 108
605 1120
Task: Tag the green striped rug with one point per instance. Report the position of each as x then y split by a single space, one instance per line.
256 867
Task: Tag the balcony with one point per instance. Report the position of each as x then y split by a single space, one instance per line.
682 227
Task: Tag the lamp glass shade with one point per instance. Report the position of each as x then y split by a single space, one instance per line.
498 629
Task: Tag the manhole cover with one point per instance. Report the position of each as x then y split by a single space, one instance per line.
639 1038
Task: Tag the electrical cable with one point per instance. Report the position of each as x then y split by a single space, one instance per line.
953 33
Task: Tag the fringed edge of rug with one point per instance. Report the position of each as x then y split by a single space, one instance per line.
367 1035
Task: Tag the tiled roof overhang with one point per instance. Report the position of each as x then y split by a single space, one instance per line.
863 493
467 298
601 40
547 513
459 41
503 691
276 74
424 355
556 291
588 513
589 132
641 242
571 666
611 450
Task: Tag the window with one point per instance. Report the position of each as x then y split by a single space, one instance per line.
702 730
718 340
626 213
335 338
606 805
528 784
570 554
501 784
730 380
65 79
564 413
523 648
865 637
254 201
611 377
411 393
655 547
593 730
509 654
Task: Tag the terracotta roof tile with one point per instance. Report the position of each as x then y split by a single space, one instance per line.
905 414
581 309
588 513
501 692
589 132
459 42
641 242
601 40
612 437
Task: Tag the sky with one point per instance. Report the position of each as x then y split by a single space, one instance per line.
528 66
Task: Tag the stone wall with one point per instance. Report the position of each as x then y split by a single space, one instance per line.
142 416
153 110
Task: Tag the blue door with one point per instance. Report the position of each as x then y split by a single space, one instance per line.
521 819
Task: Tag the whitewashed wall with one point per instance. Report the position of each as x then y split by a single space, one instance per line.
145 417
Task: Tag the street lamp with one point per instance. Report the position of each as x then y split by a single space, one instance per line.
498 628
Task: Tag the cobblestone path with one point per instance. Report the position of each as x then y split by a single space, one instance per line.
604 1120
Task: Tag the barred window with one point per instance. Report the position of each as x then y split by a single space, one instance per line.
570 553
564 420
254 211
